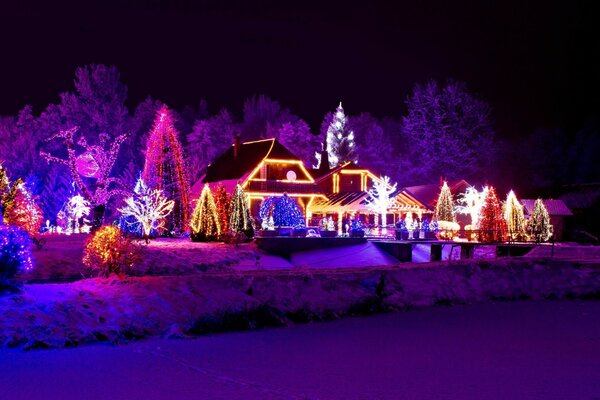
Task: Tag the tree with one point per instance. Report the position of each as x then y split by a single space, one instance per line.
205 220
297 137
284 210
515 218
539 226
149 207
222 202
23 210
239 214
165 169
372 141
94 163
380 199
449 131
471 202
444 207
341 147
492 226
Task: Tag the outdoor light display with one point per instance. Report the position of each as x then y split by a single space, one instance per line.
205 219
515 218
341 146
222 202
444 207
284 210
165 168
21 209
239 214
15 253
539 226
380 199
492 226
109 251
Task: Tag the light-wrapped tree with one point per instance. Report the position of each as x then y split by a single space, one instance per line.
380 199
444 207
539 226
205 220
492 226
515 218
222 202
239 214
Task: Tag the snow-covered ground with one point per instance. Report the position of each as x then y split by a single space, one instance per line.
540 350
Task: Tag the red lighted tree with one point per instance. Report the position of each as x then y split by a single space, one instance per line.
165 169
222 202
492 225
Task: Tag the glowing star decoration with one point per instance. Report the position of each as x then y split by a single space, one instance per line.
77 207
87 165
165 168
380 199
539 226
149 208
205 219
515 218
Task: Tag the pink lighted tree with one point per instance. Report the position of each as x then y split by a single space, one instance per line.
165 169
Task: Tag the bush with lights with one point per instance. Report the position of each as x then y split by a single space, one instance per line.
15 254
109 251
284 210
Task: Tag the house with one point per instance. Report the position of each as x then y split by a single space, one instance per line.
428 196
584 201
346 189
558 211
263 168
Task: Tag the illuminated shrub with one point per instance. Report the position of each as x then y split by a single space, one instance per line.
15 254
110 251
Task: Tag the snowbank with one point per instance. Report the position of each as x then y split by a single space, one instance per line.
67 314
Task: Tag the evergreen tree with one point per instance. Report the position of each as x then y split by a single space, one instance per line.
205 220
492 225
341 147
539 226
515 219
165 168
239 214
284 211
22 210
222 202
444 208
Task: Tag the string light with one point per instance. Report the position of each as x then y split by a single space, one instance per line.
205 220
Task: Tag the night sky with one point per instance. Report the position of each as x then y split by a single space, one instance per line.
534 62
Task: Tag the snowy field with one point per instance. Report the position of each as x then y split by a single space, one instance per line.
543 350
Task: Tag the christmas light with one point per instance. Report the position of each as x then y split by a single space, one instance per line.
76 208
22 210
205 220
444 207
492 226
539 226
470 202
239 219
15 253
284 210
380 199
341 147
109 251
222 202
515 218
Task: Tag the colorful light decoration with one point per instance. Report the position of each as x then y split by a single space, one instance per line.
75 210
149 208
341 147
539 226
109 251
205 220
284 210
23 210
381 200
492 226
15 253
222 202
444 207
239 214
515 218
470 203
165 168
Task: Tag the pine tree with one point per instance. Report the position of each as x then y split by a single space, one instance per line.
340 140
444 208
165 168
239 214
205 220
222 202
539 226
514 216
22 210
492 225
284 211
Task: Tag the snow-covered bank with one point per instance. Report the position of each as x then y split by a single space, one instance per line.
64 314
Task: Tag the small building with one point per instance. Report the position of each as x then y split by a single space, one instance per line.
263 168
558 212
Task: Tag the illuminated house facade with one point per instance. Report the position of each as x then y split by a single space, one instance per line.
263 168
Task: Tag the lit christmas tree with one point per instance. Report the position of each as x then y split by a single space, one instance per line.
492 225
22 210
149 208
165 169
205 220
539 226
380 199
340 143
284 210
444 208
222 202
239 214
515 218
75 211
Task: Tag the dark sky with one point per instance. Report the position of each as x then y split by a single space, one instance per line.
534 62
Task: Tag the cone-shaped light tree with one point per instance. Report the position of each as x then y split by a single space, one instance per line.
539 226
444 208
239 214
165 168
205 220
515 218
340 143
222 202
492 226
380 199
23 210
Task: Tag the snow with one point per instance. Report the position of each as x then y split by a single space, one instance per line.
541 350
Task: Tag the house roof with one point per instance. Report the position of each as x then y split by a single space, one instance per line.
554 207
581 196
428 194
250 154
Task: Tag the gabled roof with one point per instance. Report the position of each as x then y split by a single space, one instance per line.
428 194
554 207
250 154
581 196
